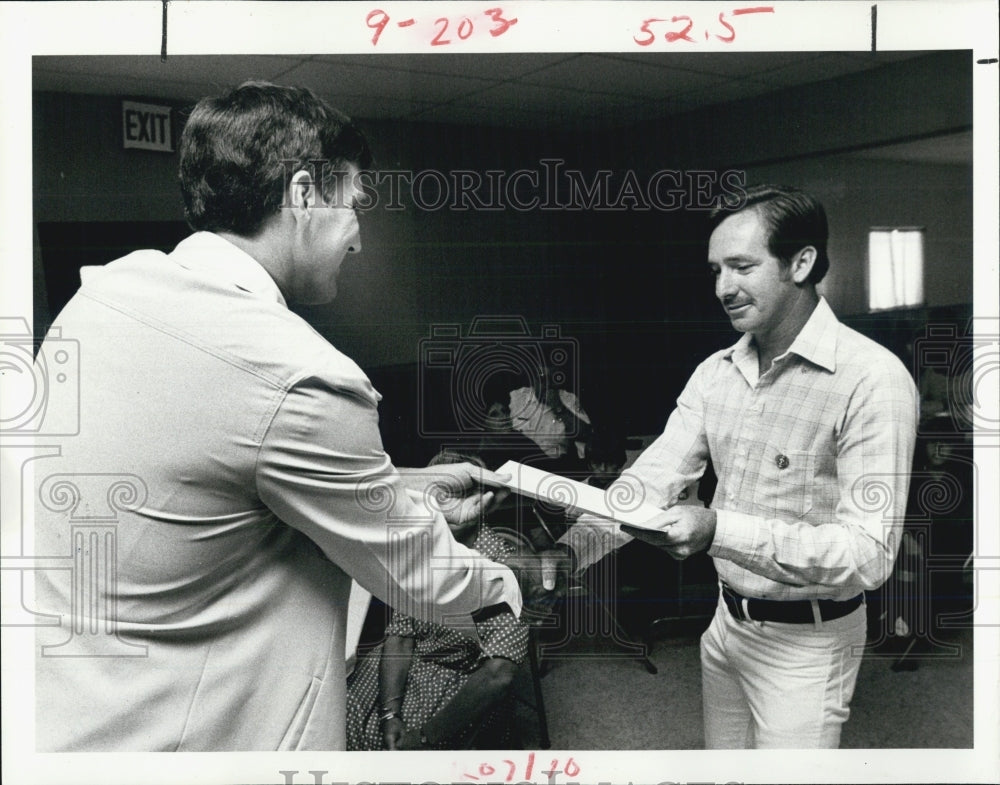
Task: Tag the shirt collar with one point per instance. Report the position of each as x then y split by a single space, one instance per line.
817 340
744 356
212 254
816 343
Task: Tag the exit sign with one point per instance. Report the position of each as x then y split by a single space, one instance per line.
146 127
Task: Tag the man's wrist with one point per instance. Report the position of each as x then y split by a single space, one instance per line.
414 479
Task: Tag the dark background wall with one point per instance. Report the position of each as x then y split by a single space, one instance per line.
628 289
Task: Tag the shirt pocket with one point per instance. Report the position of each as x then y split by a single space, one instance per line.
785 486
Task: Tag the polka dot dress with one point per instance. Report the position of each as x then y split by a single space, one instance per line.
443 660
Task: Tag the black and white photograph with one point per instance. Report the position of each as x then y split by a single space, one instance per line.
538 392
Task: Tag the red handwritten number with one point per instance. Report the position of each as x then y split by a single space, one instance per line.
466 25
683 34
378 27
726 39
438 40
503 25
645 29
572 769
485 769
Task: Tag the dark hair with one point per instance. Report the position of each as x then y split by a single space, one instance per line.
239 151
794 220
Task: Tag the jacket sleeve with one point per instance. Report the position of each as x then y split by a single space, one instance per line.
322 470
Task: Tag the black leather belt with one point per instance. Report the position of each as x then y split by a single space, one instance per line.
787 611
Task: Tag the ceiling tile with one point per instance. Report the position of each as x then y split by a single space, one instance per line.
124 86
222 71
333 79
531 97
882 57
948 149
508 89
720 92
482 66
826 66
612 75
486 116
739 64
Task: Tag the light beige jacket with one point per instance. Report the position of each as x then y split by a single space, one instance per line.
227 481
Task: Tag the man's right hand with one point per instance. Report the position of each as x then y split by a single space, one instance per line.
682 530
543 578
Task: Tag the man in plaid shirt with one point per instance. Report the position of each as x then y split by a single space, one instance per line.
810 427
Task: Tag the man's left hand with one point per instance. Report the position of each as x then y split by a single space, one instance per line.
681 531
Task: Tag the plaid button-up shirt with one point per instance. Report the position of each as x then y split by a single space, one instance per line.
813 459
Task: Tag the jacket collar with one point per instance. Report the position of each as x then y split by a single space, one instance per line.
212 254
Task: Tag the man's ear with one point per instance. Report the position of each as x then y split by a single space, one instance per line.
802 264
302 192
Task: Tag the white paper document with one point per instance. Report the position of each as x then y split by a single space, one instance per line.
564 492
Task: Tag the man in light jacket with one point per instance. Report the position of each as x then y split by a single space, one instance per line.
228 479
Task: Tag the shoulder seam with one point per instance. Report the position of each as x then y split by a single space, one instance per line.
225 357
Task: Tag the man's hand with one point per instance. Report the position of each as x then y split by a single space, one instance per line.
456 489
681 530
542 577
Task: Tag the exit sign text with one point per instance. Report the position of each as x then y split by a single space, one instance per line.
146 126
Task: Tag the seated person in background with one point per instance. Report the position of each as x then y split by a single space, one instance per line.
551 417
499 442
605 456
933 386
938 528
432 687
605 459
